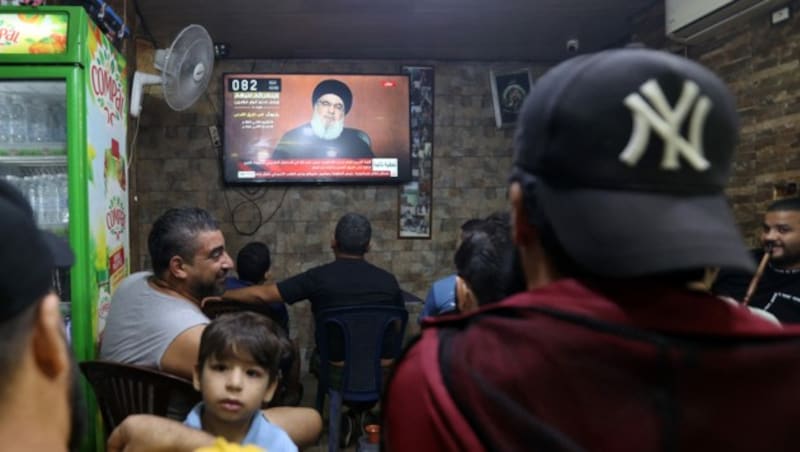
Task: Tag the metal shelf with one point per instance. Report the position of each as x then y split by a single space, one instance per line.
34 160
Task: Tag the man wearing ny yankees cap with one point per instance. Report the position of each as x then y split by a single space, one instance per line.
616 192
326 136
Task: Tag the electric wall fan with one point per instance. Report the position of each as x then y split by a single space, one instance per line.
185 70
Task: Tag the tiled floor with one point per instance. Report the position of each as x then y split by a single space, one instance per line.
309 395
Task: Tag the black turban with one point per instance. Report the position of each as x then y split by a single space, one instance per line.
332 86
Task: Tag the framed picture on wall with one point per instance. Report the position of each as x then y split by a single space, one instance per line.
509 89
416 197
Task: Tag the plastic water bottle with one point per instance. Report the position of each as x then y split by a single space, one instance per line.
57 121
50 202
5 118
38 131
31 190
63 199
18 128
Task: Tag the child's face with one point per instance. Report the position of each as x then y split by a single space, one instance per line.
233 388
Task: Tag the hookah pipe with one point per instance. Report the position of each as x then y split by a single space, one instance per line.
759 273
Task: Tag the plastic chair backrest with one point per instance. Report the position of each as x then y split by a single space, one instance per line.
363 329
214 309
124 389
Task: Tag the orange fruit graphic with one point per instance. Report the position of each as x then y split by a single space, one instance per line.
31 18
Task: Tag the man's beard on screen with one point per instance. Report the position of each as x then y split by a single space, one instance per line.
325 130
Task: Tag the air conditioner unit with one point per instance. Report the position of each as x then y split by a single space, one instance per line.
692 21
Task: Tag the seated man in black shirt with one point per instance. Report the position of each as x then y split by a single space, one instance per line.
778 290
347 281
326 136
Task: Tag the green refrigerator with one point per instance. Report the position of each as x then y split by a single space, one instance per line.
63 125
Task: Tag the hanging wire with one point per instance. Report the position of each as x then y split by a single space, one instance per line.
251 202
143 24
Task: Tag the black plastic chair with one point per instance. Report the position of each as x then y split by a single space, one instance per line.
124 389
213 309
365 331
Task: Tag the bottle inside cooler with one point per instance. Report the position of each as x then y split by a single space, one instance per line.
63 198
5 118
18 128
38 131
51 205
57 120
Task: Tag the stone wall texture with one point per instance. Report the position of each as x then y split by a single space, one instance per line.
760 62
175 164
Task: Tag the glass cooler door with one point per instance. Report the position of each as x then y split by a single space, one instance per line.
33 156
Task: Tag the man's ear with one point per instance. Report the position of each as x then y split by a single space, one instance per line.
50 349
522 232
267 276
176 267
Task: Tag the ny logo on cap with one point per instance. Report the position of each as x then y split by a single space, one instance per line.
667 123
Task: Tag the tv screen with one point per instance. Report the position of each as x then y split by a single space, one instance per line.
316 128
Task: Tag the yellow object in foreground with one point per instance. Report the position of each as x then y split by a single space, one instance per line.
220 445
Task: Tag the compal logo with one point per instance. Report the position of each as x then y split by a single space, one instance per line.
115 217
107 89
667 123
8 36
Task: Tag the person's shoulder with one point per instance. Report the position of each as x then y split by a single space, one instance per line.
297 137
359 134
274 438
193 418
135 278
380 270
304 129
235 283
444 283
132 282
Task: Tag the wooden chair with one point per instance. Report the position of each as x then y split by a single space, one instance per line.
123 389
366 330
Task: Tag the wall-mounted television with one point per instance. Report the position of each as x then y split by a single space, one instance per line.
316 128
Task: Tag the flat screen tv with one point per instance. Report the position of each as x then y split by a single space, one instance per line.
316 128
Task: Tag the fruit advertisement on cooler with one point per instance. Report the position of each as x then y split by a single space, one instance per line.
33 33
106 121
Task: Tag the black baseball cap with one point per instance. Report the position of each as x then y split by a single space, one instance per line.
632 149
28 255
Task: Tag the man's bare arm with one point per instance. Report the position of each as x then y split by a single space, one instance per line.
261 293
148 433
303 425
180 356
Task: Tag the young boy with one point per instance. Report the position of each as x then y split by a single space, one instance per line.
253 264
237 371
253 267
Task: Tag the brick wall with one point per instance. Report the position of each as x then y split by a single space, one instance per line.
176 165
761 64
